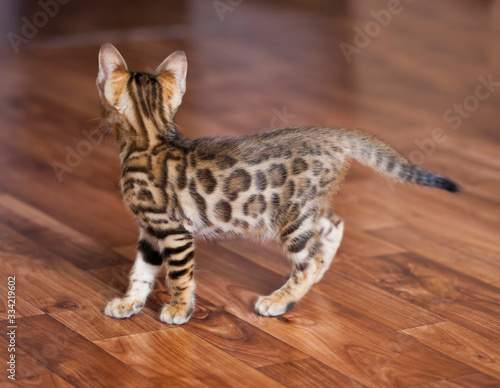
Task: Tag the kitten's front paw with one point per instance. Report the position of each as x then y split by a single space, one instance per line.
175 314
122 308
272 306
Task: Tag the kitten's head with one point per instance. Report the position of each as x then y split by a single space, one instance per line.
140 100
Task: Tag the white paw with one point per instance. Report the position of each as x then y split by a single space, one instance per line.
123 308
175 315
268 306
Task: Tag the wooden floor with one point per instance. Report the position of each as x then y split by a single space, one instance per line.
413 297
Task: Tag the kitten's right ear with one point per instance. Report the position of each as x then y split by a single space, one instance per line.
110 60
175 64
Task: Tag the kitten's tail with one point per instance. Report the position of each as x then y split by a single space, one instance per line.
375 153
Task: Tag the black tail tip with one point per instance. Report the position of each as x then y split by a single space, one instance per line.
443 183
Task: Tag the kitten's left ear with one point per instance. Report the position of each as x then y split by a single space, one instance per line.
176 65
110 60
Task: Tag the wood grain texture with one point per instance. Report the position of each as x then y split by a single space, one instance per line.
308 373
346 290
60 353
185 360
75 247
469 381
435 248
465 345
234 283
412 299
64 291
30 372
215 325
22 307
239 338
448 293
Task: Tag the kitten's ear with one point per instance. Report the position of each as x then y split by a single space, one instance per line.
110 60
176 65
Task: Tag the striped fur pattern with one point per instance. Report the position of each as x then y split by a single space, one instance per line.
275 184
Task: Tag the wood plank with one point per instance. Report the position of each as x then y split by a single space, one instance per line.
65 292
487 190
44 230
100 214
448 293
470 176
321 328
359 215
356 243
431 214
372 302
469 381
22 307
308 373
477 166
179 358
214 325
445 252
30 372
238 338
407 250
62 355
344 289
478 379
463 344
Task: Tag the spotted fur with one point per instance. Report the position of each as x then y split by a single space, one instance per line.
275 184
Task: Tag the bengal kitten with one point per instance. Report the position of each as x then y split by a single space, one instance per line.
266 185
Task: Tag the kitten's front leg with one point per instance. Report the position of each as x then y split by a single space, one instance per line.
148 263
179 257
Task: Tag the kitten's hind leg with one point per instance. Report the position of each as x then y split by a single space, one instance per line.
331 236
303 247
147 265
179 258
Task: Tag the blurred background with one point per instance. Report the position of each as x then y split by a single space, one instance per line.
395 68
